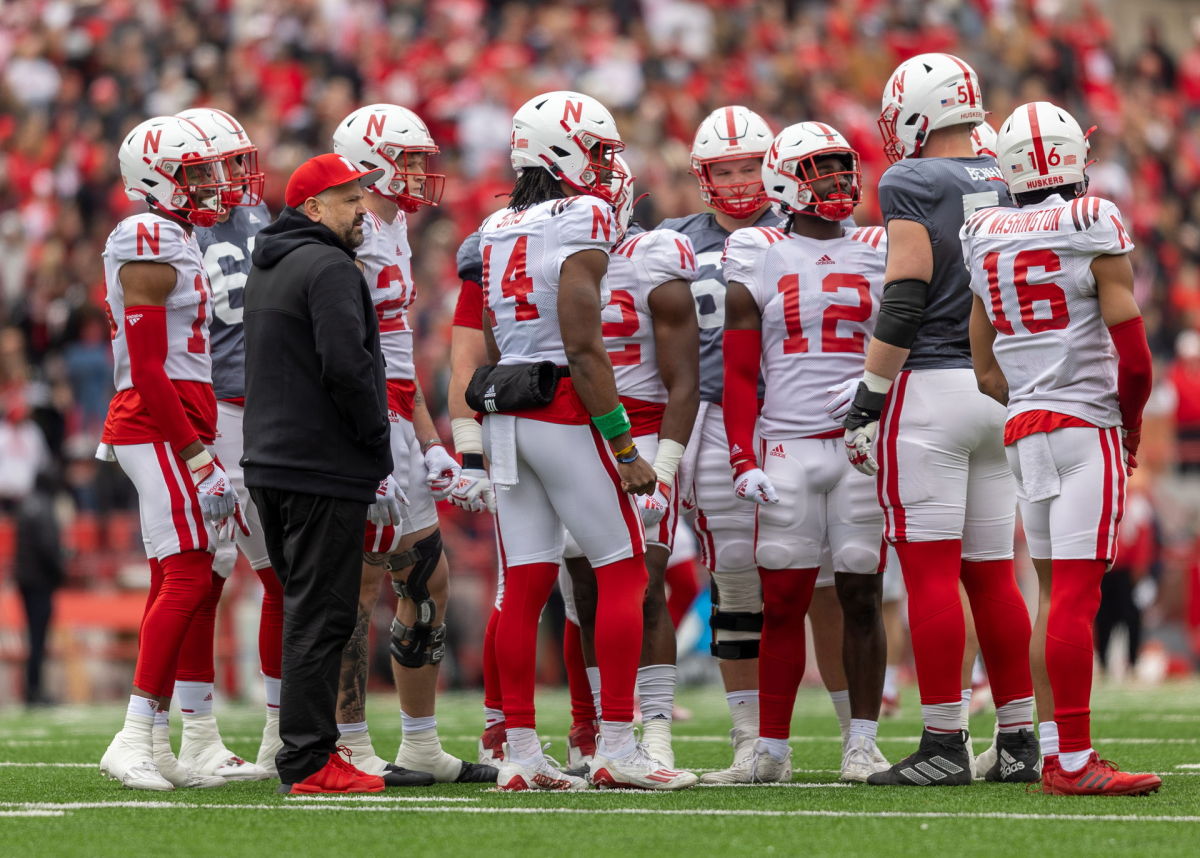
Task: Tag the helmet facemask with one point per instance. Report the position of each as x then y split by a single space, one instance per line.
408 183
245 178
844 185
602 171
738 199
200 197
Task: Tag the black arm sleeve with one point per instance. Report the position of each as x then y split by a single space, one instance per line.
900 312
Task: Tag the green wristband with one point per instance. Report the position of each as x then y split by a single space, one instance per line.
612 424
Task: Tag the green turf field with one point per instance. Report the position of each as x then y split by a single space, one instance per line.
54 802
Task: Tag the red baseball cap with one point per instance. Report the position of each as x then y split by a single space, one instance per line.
322 173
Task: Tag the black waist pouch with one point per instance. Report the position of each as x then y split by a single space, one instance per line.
518 387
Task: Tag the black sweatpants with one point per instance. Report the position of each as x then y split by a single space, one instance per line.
315 544
39 605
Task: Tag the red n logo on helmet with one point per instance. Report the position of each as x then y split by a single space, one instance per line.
573 110
151 141
375 124
898 85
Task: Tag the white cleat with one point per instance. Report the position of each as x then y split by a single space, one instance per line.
423 752
656 734
202 750
862 758
759 767
743 748
538 775
180 776
982 764
130 760
637 771
271 743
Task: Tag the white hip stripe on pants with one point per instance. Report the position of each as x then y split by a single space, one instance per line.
172 521
228 448
1081 522
943 473
568 477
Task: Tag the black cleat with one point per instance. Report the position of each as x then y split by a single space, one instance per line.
1018 759
940 760
398 776
477 773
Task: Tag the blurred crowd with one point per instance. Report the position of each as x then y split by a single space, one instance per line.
78 75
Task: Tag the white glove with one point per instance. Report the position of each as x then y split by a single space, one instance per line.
218 498
441 471
754 485
473 492
859 442
843 397
389 497
654 507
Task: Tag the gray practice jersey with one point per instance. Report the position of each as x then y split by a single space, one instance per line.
939 194
470 259
708 238
227 248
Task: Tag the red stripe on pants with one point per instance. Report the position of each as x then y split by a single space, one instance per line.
1074 600
178 514
888 479
1002 624
782 652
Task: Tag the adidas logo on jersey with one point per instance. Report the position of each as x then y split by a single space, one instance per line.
777 450
133 319
825 260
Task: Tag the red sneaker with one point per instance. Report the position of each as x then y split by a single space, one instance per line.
338 776
1097 777
491 745
581 743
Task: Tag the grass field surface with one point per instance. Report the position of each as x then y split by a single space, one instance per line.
53 802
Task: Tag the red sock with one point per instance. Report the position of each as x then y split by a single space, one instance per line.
1002 624
187 578
683 589
621 590
270 624
526 589
156 579
781 653
491 669
935 617
583 709
196 654
1074 600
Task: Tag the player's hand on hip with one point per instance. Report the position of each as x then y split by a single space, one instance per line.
752 484
637 477
654 507
862 425
441 471
389 501
473 491
841 398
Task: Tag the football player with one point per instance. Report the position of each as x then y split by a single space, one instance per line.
800 304
162 419
571 461
947 492
226 247
1058 338
394 138
650 331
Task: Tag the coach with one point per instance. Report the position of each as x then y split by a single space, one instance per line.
316 446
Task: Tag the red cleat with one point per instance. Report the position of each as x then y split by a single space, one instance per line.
337 776
491 745
1050 769
581 743
1097 777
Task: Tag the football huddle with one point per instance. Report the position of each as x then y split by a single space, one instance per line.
833 409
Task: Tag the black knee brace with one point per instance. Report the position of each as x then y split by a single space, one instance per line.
417 645
420 643
733 621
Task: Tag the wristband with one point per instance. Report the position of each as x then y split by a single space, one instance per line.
472 461
468 435
432 442
613 424
666 460
628 456
200 465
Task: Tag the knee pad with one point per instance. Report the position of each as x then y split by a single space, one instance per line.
423 558
733 546
736 619
417 645
858 560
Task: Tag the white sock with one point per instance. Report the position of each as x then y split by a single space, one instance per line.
354 727
890 687
777 748
743 709
1048 738
841 706
195 698
140 712
863 727
942 717
492 717
271 687
967 694
523 745
410 725
1014 716
618 738
1073 761
162 718
656 690
594 682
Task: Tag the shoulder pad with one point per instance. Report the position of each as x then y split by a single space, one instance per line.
874 237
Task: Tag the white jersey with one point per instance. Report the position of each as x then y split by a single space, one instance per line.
818 301
387 266
1031 267
639 265
150 238
523 252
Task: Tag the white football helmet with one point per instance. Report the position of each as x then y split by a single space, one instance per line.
395 139
790 174
621 188
172 164
927 92
1041 146
730 134
241 155
983 139
571 135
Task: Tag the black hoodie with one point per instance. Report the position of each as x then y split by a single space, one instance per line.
316 418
